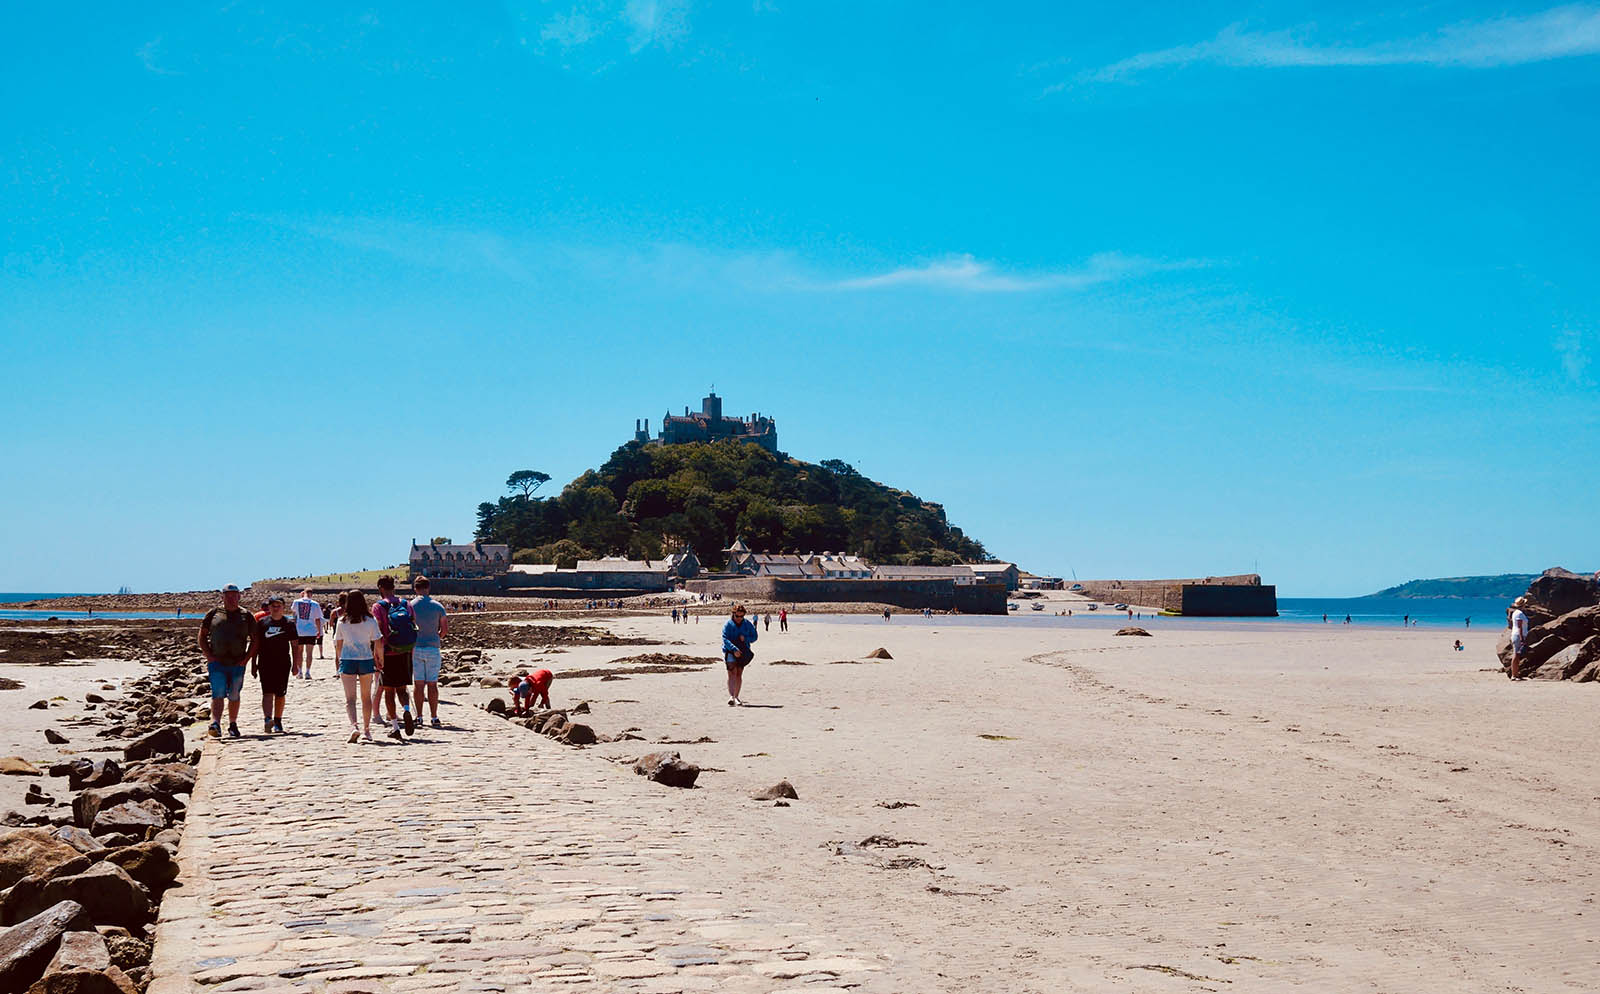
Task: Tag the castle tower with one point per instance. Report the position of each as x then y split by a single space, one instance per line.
711 407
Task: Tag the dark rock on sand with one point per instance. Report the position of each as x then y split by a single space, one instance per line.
36 795
174 778
107 893
496 705
163 742
30 852
879 653
1133 630
88 803
135 818
1559 591
87 773
150 863
94 698
553 723
1579 662
80 840
668 768
577 734
54 737
16 766
1547 640
39 706
781 789
26 949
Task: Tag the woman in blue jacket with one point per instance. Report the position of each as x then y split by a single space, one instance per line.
737 636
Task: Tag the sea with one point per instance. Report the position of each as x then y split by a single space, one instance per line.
13 597
1381 612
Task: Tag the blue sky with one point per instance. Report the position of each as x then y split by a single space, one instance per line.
1187 289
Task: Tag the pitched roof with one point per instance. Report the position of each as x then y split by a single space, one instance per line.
618 565
737 546
918 572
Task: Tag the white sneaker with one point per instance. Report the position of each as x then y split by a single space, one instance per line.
733 702
355 734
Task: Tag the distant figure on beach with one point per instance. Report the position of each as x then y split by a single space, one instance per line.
738 635
427 654
358 648
1406 621
274 654
766 622
1459 646
227 641
308 632
1324 619
1469 622
399 628
885 614
1519 635
674 616
1347 619
338 612
783 619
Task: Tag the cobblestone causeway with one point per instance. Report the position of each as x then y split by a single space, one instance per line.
480 857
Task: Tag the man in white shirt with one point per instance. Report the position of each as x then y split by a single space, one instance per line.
307 615
1519 636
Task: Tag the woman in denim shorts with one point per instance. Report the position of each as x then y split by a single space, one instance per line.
357 648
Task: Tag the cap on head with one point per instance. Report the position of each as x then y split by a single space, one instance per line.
1520 602
231 588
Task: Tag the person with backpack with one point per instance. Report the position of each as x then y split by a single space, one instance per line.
227 641
737 636
399 626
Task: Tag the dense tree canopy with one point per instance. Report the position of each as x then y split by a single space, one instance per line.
651 499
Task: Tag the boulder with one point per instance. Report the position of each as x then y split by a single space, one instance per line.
668 768
1545 640
1558 591
81 981
553 724
89 802
36 795
26 949
1134 630
39 706
150 863
496 705
781 789
582 708
80 951
879 653
94 773
174 778
1570 662
54 737
162 742
80 840
33 852
16 766
576 734
107 893
136 818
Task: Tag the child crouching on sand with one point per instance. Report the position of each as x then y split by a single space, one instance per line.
527 688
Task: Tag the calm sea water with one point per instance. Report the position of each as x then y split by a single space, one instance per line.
13 597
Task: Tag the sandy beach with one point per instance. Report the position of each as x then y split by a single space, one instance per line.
1014 807
1247 807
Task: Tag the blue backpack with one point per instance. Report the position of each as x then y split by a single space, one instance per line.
402 626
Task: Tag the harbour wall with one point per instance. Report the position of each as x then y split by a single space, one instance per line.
1241 596
913 595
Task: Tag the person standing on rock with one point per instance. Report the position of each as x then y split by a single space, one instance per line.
358 648
275 647
1519 635
737 637
308 631
426 656
399 629
227 641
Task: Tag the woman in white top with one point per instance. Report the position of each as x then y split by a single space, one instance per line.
358 648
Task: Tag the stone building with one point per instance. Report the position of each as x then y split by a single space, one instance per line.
709 425
459 561
1006 573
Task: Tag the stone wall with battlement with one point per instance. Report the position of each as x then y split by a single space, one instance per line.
940 595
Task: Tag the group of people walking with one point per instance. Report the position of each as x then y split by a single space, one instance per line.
394 642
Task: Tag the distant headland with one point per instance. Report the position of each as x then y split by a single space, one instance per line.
1503 585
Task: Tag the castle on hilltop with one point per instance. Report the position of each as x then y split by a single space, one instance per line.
708 425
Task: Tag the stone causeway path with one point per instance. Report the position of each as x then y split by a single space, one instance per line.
480 857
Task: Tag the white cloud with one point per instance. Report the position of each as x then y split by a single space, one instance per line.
576 25
567 30
655 22
150 54
1560 32
967 274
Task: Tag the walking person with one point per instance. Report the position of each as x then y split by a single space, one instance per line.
399 630
783 619
1518 620
737 637
432 626
357 648
766 622
276 645
308 632
227 641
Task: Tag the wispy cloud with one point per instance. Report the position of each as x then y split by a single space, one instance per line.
967 274
1560 32
1574 352
534 261
578 25
150 54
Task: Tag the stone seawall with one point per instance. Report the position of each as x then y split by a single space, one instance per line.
940 595
1211 596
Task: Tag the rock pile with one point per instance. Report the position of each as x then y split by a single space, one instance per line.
1563 609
